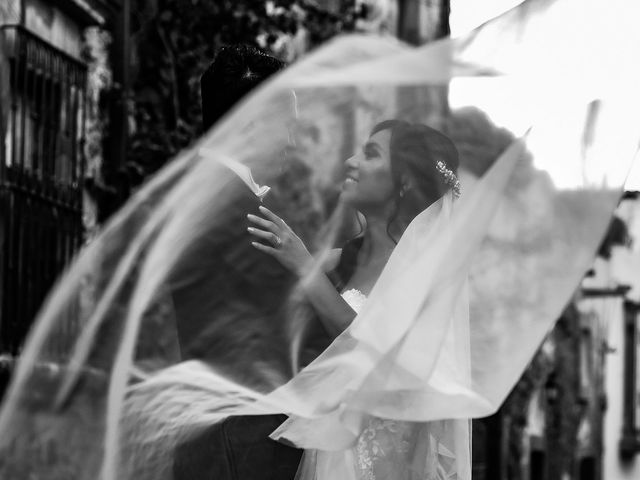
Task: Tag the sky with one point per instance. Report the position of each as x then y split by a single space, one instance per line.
552 139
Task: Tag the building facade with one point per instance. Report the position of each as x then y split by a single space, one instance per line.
620 316
47 113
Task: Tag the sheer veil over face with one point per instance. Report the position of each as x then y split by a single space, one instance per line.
469 284
368 180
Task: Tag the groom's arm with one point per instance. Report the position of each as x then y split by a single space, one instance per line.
223 279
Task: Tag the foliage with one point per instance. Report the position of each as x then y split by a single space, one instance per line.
5 95
99 82
567 409
555 372
174 41
478 140
516 408
617 235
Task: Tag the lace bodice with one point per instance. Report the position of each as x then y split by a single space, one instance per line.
384 447
355 298
380 437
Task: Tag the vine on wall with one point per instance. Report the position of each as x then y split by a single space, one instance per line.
99 82
173 43
179 40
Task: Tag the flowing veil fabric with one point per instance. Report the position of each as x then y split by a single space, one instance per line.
101 388
381 447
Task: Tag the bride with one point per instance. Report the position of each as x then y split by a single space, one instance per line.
400 171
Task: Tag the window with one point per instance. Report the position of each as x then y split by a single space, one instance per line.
46 122
41 177
630 441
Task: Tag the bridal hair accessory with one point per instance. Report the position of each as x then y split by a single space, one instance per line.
450 178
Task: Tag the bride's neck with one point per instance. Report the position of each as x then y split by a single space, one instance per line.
377 245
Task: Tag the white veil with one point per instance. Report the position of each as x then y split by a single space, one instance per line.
99 386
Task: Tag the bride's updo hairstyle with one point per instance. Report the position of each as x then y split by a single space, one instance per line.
418 154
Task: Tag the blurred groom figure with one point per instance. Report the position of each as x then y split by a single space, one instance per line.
234 302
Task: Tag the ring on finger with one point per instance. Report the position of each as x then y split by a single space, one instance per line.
277 242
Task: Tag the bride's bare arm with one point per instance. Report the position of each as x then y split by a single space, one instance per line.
336 314
280 241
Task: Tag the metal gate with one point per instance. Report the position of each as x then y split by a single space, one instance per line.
40 179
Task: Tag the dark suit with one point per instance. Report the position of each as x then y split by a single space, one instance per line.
237 449
232 304
230 298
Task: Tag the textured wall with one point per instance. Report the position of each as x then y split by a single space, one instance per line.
10 11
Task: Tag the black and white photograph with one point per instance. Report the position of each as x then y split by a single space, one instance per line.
319 240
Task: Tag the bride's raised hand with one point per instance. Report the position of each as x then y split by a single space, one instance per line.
277 239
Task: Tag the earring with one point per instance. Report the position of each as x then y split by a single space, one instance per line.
403 190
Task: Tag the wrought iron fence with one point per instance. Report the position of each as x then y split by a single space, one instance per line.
41 177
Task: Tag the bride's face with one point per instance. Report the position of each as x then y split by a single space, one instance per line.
369 184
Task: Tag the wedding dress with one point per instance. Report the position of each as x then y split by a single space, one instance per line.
395 450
